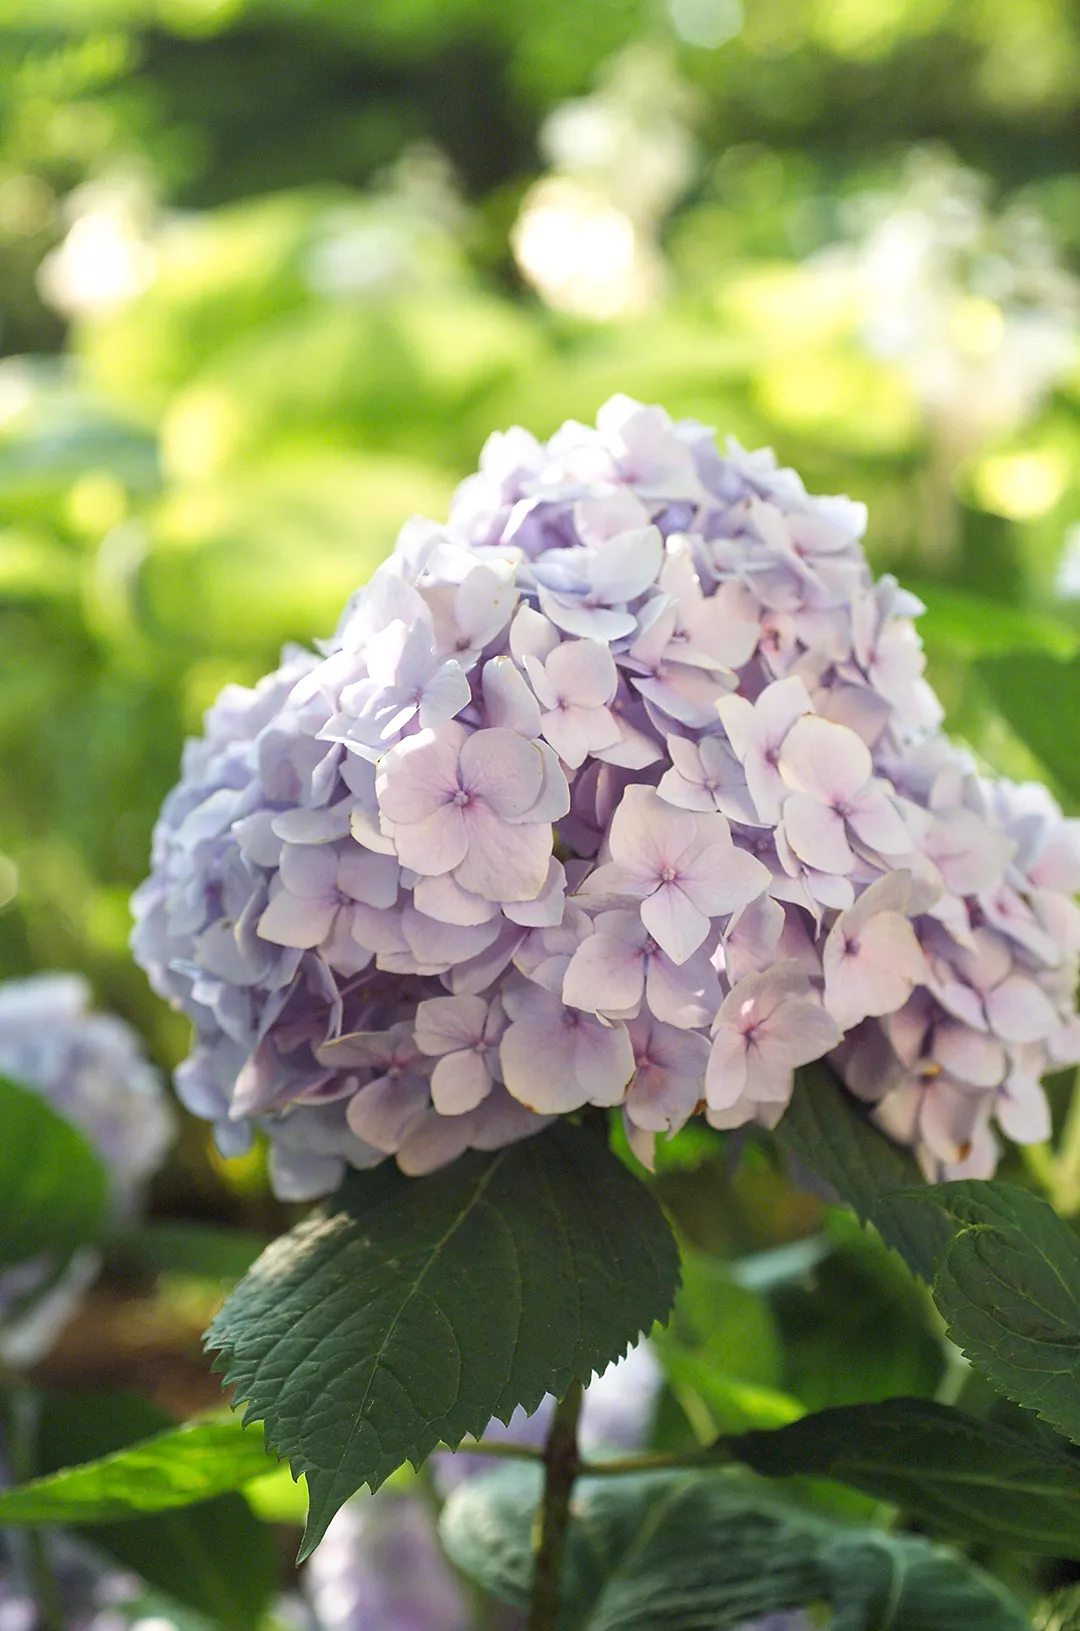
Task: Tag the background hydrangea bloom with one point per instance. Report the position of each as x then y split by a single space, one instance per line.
634 763
91 1068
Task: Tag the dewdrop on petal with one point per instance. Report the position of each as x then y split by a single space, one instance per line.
625 788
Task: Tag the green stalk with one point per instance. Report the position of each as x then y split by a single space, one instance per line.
560 1471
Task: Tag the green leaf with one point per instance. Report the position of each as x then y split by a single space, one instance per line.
54 1191
215 1557
172 1469
827 1129
1040 698
960 624
199 1249
966 1478
1061 1612
858 1328
1008 1284
407 1312
692 1552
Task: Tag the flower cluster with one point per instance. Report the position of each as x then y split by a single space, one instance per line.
624 788
90 1067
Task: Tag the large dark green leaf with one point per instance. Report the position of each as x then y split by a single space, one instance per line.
173 1469
408 1311
964 1477
692 1552
216 1557
827 1129
1040 698
54 1193
1008 1284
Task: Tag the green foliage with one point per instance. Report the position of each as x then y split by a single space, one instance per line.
692 1552
858 1327
214 1557
1008 1285
1040 698
54 1190
826 1130
970 1479
198 1249
407 1312
173 1469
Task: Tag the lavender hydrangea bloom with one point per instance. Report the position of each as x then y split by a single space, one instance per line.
91 1068
624 787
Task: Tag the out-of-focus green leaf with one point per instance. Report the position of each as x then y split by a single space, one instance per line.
173 1469
215 1557
1040 698
200 1249
54 1190
971 626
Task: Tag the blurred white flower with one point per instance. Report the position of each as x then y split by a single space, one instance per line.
974 305
586 237
106 258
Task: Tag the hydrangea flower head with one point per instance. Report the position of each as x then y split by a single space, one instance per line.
623 788
91 1068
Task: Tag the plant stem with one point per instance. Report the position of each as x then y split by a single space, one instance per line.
18 1438
560 1471
501 1450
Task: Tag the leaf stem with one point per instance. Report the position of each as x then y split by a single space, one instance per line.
711 1455
560 1470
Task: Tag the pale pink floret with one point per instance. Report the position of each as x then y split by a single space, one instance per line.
706 775
620 964
317 888
462 1034
461 804
669 1075
681 866
834 796
556 1058
980 987
756 731
574 683
768 1025
872 959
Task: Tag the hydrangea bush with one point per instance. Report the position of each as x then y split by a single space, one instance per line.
623 788
618 801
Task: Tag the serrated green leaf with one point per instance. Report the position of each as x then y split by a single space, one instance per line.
966 1478
215 1557
692 1552
54 1190
407 1312
1008 1286
1040 698
827 1129
173 1469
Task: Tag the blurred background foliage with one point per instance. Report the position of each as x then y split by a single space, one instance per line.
271 270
